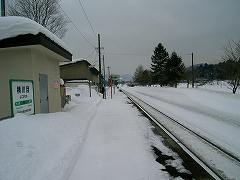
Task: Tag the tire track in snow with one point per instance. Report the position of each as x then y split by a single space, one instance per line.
78 151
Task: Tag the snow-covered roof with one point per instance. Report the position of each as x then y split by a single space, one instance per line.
77 81
75 61
12 26
61 82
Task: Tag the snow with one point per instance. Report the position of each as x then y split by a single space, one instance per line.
210 112
112 134
110 139
42 146
61 82
73 61
216 86
12 26
78 81
91 139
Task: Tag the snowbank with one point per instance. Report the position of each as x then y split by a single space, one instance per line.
61 82
12 26
221 86
44 146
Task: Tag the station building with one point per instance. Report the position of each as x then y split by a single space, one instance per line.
29 67
78 72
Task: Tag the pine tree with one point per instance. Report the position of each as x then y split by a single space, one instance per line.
175 69
146 78
159 60
142 76
138 74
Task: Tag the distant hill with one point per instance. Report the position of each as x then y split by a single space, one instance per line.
126 77
189 68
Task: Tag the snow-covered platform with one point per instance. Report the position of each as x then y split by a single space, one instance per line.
92 139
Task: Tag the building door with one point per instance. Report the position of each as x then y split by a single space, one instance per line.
43 87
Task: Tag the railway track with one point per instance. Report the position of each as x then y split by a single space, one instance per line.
217 161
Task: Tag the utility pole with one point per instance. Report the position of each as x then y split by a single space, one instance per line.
90 88
2 8
104 80
110 80
99 57
192 73
108 72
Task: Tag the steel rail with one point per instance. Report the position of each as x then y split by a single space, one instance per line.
188 150
233 156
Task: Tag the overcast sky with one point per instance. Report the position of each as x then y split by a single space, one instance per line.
131 29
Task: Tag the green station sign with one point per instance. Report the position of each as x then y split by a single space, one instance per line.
22 96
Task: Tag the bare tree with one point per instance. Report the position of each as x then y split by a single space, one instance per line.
45 12
232 54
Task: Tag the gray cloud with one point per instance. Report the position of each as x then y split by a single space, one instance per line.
137 26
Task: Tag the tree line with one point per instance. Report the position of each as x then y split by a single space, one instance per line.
209 72
165 70
170 70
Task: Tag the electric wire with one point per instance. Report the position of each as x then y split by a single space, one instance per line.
76 28
126 54
95 59
92 53
86 16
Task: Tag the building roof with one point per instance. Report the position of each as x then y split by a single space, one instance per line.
82 61
76 62
94 70
20 31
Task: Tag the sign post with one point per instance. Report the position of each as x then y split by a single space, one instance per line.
2 7
22 96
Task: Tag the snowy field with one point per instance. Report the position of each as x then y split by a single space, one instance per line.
217 86
91 139
212 110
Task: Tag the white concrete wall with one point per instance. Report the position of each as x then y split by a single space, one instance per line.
14 64
44 64
27 63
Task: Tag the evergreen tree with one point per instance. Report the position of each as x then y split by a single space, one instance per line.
142 76
138 74
159 60
175 69
146 78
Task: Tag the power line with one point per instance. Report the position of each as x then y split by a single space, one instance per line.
86 16
125 54
203 58
95 59
92 53
76 28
